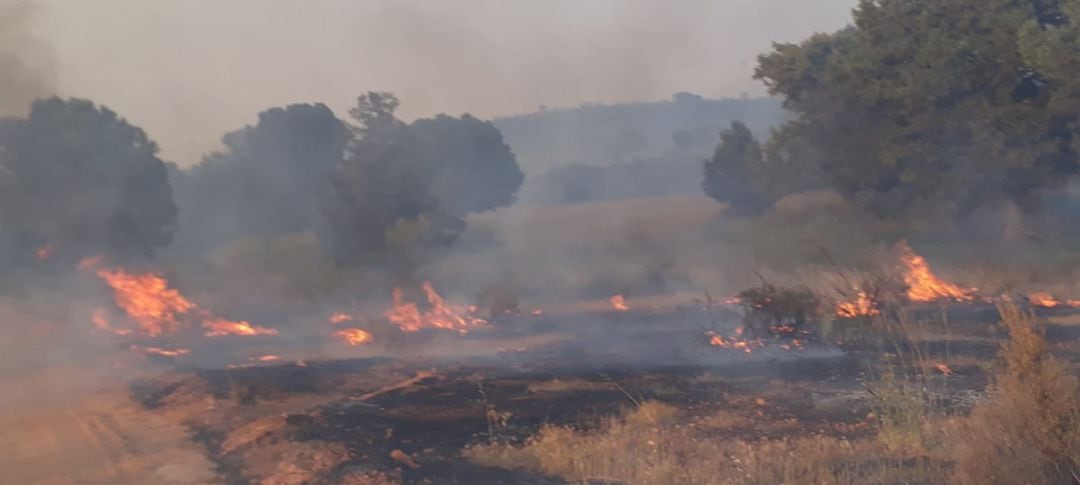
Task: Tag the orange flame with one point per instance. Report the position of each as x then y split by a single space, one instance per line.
943 368
101 322
1044 300
154 307
89 263
45 252
217 327
339 317
266 358
353 336
923 285
862 306
618 302
408 317
162 352
744 345
147 299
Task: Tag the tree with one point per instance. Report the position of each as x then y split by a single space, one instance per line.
411 184
732 173
267 181
76 180
929 105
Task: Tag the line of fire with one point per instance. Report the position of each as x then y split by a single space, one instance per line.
539 242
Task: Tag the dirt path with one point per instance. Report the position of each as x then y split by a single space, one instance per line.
57 429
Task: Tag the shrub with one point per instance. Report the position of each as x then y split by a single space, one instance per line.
1029 431
775 310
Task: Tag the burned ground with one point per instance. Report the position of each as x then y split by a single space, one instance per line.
351 418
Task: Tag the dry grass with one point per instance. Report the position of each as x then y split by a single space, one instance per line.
1029 432
907 388
653 444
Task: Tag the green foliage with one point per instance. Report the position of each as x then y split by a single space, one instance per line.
78 178
266 182
732 173
936 105
409 186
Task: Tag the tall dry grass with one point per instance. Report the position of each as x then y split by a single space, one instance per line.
1029 431
654 444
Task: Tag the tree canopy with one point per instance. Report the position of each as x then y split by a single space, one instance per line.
927 104
413 183
731 173
77 180
267 180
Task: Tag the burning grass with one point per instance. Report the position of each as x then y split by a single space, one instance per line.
156 308
773 310
409 317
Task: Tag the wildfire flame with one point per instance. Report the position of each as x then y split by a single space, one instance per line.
923 285
217 327
618 303
744 345
339 318
89 263
44 253
101 322
266 358
862 306
148 301
409 318
353 336
1046 300
162 352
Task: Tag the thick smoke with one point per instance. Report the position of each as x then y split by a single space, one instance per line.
26 64
484 57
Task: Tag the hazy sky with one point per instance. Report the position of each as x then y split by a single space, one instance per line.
189 70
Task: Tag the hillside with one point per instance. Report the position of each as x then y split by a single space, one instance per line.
605 134
640 149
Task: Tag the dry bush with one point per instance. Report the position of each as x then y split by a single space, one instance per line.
771 309
651 445
1029 431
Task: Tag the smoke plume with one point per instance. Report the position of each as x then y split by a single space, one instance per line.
26 64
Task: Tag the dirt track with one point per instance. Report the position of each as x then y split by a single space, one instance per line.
54 429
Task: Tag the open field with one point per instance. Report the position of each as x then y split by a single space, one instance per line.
556 390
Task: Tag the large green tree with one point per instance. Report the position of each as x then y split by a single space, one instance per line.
733 172
411 184
77 180
267 181
928 104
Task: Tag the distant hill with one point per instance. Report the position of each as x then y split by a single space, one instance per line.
607 134
639 149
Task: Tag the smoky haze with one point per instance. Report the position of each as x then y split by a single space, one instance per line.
26 63
189 71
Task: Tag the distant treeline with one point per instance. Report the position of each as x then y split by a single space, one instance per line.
602 152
